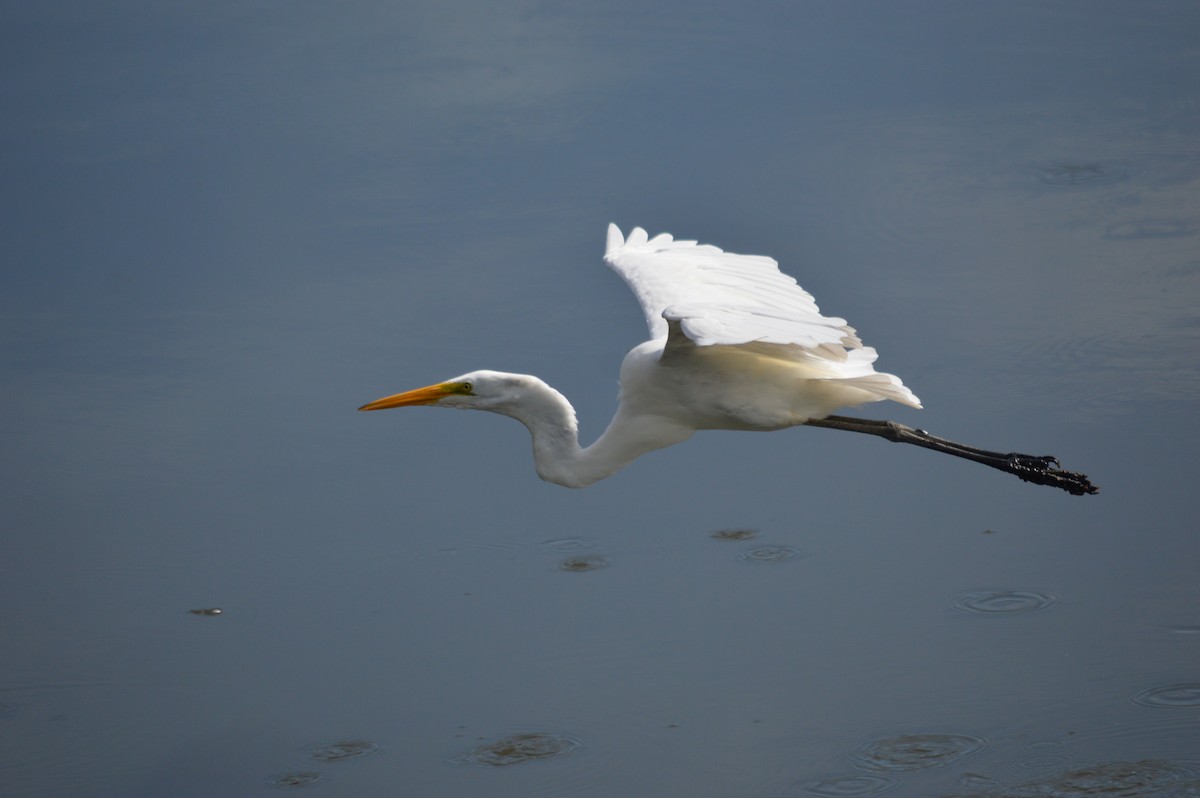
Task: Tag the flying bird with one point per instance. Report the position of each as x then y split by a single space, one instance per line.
735 344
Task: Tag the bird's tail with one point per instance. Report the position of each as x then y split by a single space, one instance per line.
885 386
857 370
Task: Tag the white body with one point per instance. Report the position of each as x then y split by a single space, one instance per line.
735 344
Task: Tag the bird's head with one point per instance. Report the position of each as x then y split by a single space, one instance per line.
478 390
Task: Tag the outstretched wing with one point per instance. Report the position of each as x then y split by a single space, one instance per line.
698 294
720 297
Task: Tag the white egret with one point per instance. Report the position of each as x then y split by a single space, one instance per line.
734 344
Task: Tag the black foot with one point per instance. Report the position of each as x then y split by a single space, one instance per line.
1038 470
1045 471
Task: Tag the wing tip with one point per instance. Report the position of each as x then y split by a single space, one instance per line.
615 240
637 237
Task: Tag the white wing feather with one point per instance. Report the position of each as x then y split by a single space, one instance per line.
724 299
719 297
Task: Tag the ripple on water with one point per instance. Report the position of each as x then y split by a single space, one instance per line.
734 534
1149 228
207 611
1001 602
850 785
569 544
517 748
915 751
977 781
585 562
300 779
1113 780
770 553
1093 173
343 750
1185 694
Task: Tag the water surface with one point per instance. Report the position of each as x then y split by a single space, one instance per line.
229 226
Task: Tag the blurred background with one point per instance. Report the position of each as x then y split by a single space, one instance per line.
227 225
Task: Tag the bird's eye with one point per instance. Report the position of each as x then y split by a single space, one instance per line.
466 387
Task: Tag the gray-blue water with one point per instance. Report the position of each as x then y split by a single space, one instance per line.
227 225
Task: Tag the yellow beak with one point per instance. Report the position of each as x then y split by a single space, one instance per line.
421 396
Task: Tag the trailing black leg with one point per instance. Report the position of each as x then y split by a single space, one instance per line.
1042 470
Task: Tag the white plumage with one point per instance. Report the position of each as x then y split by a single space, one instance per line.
722 297
735 344
757 319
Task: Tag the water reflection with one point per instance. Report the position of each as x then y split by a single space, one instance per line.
1117 779
1002 602
1113 780
734 534
234 216
587 562
844 786
304 778
770 554
1170 695
518 748
569 544
916 751
343 751
977 781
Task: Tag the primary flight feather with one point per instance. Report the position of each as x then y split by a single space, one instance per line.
734 344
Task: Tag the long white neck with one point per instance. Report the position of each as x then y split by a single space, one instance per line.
557 455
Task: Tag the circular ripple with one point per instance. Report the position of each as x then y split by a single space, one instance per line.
1170 695
569 544
915 751
587 562
518 748
343 750
1114 780
998 602
302 779
734 534
770 553
850 785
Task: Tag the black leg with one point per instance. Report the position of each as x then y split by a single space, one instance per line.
1041 470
